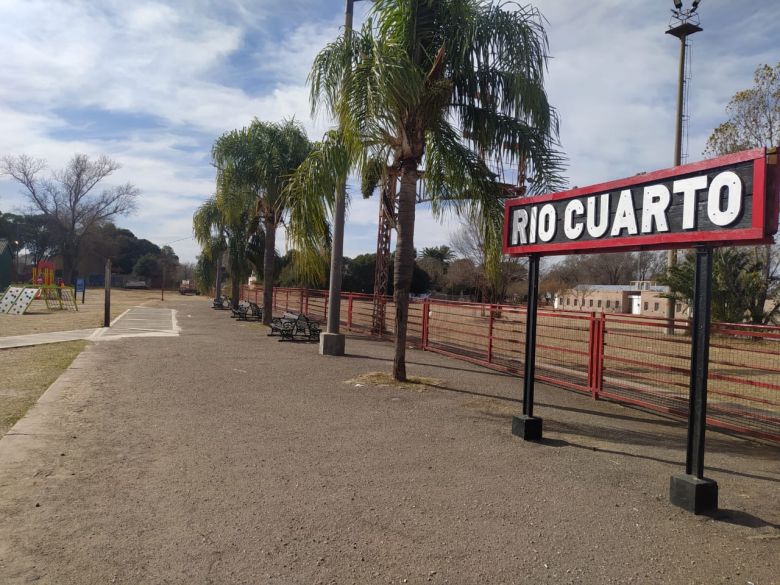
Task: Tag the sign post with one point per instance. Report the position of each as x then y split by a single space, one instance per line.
692 490
731 200
81 287
528 426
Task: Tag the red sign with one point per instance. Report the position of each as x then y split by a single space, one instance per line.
731 200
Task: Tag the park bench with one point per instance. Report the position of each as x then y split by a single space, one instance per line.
219 302
283 323
292 326
256 311
240 312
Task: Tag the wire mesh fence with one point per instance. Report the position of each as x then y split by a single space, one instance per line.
632 359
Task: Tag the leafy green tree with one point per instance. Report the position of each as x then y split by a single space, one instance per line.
219 230
753 116
754 122
438 86
442 253
204 272
736 276
148 266
33 233
253 167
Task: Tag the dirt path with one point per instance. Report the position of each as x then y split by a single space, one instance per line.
223 456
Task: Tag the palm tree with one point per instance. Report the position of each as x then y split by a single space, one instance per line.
443 254
438 86
254 165
217 230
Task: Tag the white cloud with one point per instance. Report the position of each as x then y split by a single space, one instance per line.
189 71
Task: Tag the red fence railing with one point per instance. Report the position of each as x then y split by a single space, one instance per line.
626 358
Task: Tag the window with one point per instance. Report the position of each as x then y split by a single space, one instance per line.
591 302
607 303
655 306
678 308
645 305
617 304
598 304
568 301
575 302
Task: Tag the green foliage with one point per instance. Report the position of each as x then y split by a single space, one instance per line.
34 233
440 86
753 116
738 293
148 266
205 273
444 253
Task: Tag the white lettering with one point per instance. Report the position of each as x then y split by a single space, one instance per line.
519 226
547 221
625 219
724 217
596 231
655 202
572 230
688 188
532 225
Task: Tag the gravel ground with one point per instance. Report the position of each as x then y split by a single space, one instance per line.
224 456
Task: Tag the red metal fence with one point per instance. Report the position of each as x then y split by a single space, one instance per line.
626 358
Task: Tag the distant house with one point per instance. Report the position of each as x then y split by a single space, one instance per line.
6 264
639 297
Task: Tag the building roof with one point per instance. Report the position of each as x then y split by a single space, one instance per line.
619 288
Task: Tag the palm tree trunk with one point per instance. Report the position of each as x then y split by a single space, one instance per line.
404 265
235 287
268 271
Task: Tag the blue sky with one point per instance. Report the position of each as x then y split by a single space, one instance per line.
152 84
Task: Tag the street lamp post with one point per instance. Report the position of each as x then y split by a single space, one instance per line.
685 23
331 341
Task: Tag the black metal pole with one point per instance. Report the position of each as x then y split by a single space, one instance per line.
693 491
700 355
529 367
528 426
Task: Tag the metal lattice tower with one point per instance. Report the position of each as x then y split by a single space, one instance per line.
387 214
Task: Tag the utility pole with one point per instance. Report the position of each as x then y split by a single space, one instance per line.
331 341
684 24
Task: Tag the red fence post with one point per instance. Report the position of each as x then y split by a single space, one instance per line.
349 313
300 299
490 337
425 323
599 378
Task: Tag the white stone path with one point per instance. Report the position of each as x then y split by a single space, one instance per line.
135 322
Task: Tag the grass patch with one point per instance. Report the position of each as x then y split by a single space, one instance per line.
27 373
385 380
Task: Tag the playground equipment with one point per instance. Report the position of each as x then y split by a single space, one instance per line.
16 300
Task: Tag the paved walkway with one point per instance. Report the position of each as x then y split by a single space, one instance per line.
225 456
44 338
135 322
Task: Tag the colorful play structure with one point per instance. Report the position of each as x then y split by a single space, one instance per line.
16 300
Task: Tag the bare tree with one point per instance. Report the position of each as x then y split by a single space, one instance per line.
649 265
469 243
68 198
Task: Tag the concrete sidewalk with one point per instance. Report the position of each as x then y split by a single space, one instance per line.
225 456
135 322
44 338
